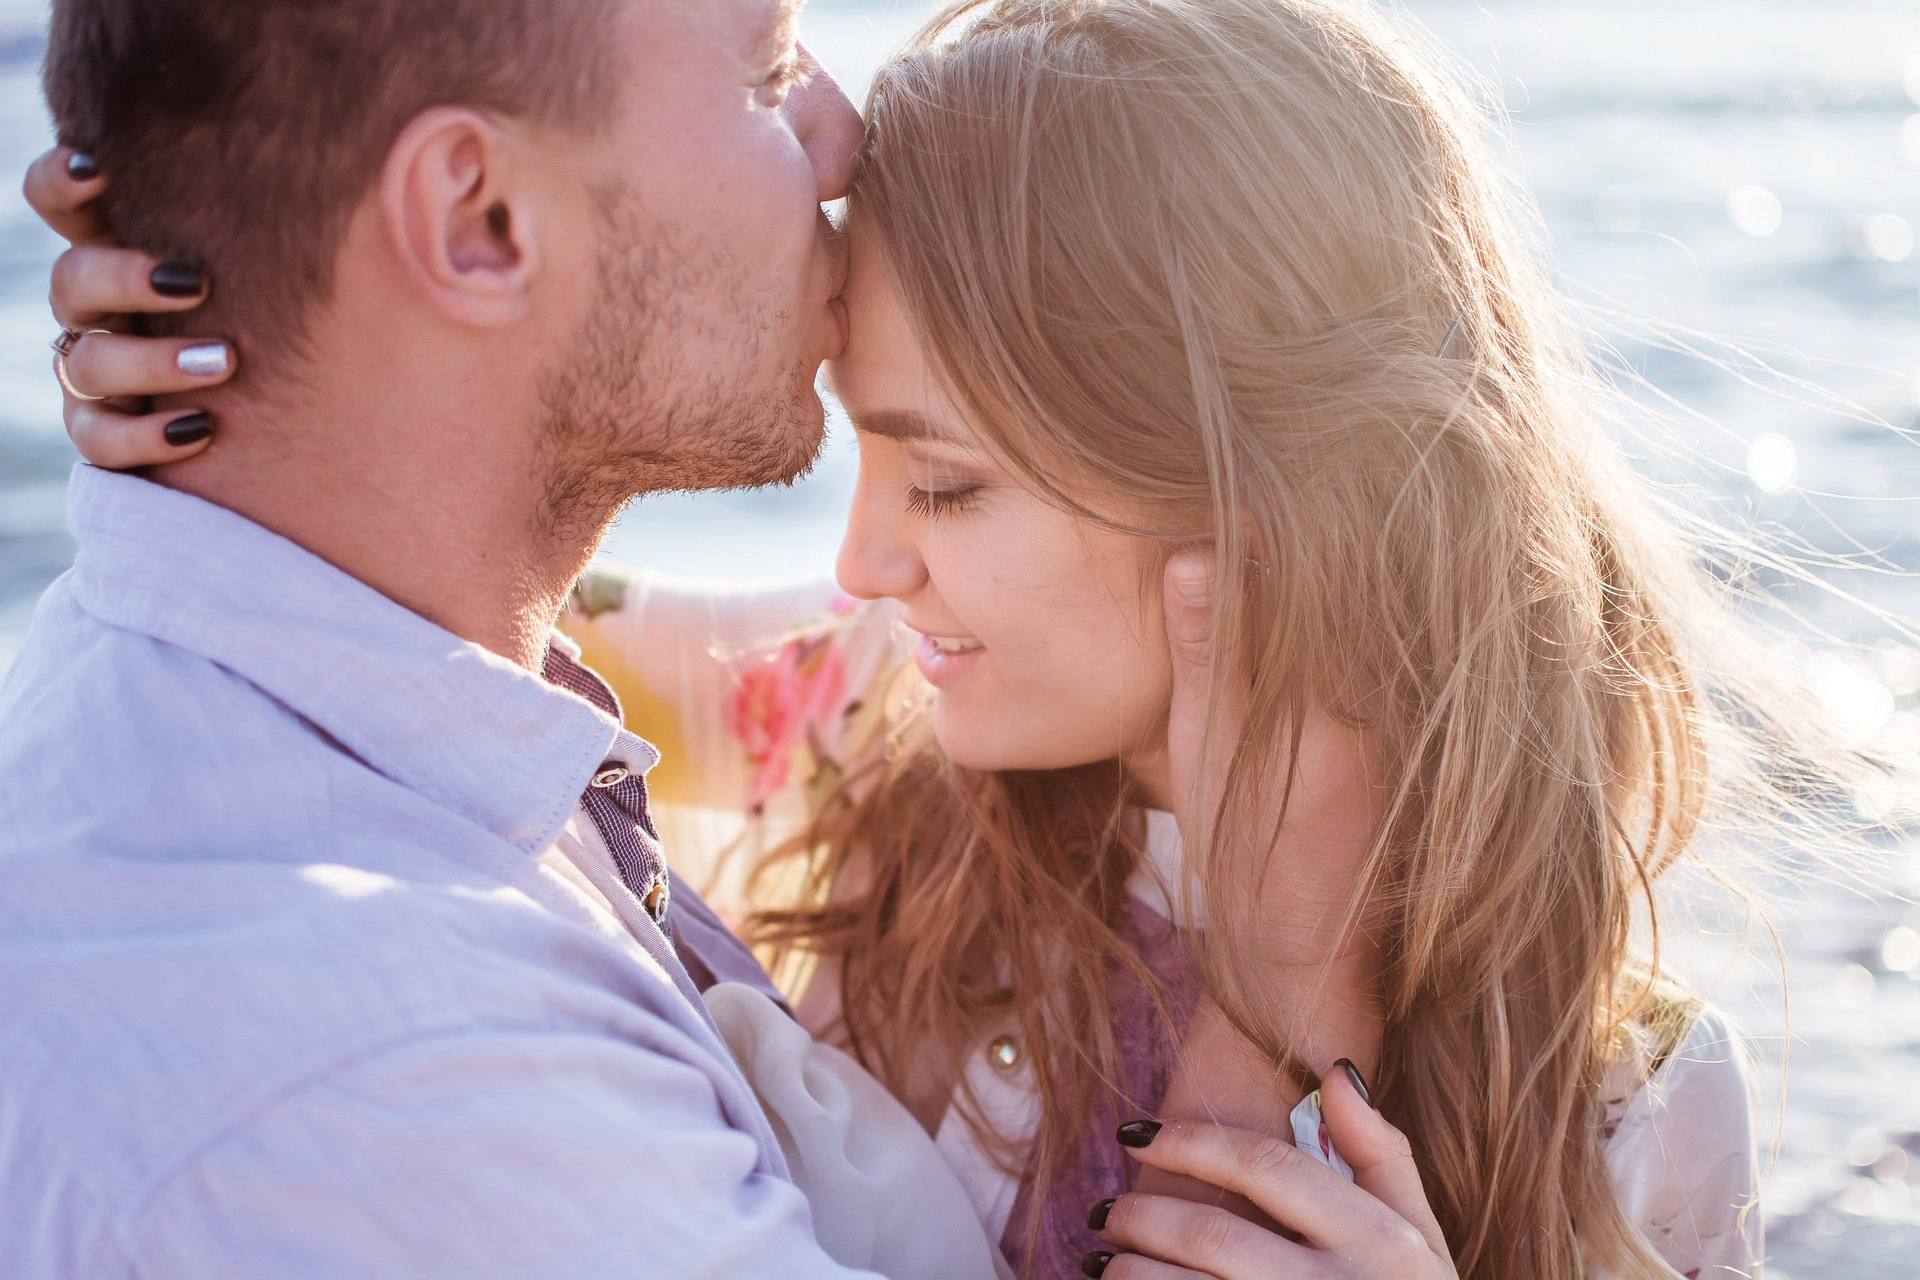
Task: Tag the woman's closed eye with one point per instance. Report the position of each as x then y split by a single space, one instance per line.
934 503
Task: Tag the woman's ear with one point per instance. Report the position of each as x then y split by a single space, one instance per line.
455 219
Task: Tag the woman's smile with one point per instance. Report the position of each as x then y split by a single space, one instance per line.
944 659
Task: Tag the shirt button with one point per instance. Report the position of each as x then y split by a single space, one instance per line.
612 773
1004 1053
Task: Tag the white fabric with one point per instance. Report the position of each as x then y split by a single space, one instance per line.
1010 1103
1163 880
1684 1159
883 1198
1310 1135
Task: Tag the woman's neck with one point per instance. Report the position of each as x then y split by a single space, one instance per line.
1303 953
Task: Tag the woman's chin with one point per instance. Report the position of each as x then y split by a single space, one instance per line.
987 743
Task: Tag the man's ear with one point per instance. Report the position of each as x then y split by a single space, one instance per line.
456 220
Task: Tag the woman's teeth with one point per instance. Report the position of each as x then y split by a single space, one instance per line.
949 647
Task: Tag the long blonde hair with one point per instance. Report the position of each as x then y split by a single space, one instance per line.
1246 267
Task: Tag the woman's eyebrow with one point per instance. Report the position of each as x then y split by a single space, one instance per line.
903 425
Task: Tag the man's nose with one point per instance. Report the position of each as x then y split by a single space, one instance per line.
828 127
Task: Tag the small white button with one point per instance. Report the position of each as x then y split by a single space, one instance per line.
1004 1053
612 774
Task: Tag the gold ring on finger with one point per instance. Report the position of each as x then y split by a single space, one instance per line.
62 348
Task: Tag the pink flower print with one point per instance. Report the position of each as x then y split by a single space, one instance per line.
778 702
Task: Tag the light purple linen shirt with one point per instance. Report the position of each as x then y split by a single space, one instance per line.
285 988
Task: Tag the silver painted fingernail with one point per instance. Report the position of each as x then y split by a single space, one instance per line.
203 361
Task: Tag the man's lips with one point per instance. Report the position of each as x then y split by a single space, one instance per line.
839 261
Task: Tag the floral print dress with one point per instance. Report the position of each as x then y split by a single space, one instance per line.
759 700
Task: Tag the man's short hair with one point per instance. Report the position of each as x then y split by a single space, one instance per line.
240 135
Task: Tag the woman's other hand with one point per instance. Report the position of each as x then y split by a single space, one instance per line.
99 285
1377 1227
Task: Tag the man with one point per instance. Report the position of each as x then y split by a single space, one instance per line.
336 938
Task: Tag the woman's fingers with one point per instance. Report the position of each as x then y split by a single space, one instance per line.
1379 1154
1166 1230
118 367
1283 1182
63 188
94 281
96 284
114 364
1132 1266
118 441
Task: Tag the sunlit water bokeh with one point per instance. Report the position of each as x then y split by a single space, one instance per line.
1739 178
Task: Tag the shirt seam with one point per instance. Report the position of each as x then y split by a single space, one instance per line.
127 1221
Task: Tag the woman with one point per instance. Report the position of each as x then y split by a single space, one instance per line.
1135 277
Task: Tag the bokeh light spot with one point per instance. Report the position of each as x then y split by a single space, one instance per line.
1853 987
1754 210
1900 950
1772 462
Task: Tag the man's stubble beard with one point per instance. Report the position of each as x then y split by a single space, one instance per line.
626 413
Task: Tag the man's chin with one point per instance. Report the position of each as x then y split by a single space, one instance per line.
757 450
804 433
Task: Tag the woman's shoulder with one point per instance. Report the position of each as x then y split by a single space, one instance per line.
756 696
807 702
1680 1139
1685 1060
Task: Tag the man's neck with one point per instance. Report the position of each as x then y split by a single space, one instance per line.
439 513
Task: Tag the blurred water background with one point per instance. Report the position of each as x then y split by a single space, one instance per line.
1732 187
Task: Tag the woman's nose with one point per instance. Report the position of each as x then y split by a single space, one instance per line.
827 125
876 560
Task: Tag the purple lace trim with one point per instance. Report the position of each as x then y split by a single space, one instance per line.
1147 1048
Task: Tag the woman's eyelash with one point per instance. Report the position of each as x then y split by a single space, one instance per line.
935 503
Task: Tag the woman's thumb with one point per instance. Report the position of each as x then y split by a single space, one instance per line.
1379 1154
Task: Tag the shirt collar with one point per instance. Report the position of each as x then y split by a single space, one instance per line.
1164 880
443 717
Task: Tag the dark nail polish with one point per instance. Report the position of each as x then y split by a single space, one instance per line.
177 280
1095 1264
1353 1074
1137 1133
82 167
188 428
1097 1216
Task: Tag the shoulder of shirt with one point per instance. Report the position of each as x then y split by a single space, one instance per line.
163 981
1681 1040
1692 1084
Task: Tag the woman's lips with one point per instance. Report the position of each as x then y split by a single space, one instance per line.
942 660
